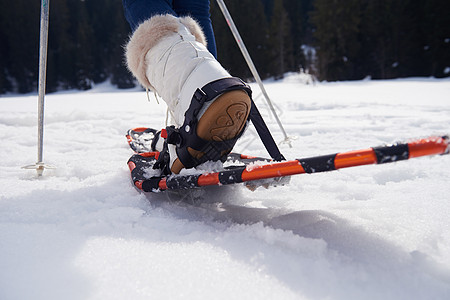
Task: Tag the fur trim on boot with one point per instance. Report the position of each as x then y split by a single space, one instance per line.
148 34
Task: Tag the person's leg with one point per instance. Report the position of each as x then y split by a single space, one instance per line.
137 11
199 10
209 108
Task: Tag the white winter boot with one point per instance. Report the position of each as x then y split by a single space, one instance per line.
209 108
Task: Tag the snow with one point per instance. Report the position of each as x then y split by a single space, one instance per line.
83 232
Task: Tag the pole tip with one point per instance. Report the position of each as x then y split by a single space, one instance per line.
39 167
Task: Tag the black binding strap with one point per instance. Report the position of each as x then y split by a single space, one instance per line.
264 134
163 161
186 135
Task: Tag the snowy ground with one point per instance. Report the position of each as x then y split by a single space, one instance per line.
83 232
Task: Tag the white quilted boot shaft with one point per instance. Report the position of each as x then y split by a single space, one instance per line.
178 66
172 59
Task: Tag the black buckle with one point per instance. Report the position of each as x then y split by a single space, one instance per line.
200 96
162 163
173 136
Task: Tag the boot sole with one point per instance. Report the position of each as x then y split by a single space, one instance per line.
224 119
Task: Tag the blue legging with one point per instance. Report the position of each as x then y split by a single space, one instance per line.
137 11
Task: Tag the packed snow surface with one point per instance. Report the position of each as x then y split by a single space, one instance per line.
82 231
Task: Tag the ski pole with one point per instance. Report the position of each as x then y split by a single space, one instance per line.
43 46
376 155
251 65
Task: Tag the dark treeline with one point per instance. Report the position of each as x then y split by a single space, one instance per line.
339 39
85 44
333 39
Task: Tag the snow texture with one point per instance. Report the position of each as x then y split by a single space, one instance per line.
82 231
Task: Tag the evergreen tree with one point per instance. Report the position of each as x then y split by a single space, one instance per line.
336 24
436 33
20 30
281 58
377 39
253 27
5 81
86 49
120 76
393 39
62 50
407 42
299 31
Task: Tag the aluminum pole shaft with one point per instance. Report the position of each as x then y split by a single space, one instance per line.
43 46
250 63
